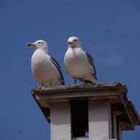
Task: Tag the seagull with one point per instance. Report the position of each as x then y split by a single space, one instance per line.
45 68
78 63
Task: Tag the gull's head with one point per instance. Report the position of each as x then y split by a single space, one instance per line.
73 42
39 44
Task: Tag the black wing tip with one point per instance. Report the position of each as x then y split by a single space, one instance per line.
62 82
95 76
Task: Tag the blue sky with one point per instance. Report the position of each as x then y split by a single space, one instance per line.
109 30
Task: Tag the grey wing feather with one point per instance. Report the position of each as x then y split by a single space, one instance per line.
90 60
59 69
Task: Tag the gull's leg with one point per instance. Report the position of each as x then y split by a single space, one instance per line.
75 81
51 84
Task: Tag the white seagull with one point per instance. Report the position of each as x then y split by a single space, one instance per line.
78 63
45 68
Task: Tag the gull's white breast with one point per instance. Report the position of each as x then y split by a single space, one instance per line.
76 63
43 69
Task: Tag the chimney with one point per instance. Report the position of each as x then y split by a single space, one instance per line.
87 112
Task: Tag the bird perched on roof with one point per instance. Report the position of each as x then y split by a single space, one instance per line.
78 63
45 68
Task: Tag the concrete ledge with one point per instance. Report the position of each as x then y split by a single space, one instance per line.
101 86
108 91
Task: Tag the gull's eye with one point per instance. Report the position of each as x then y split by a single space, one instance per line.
75 40
39 42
